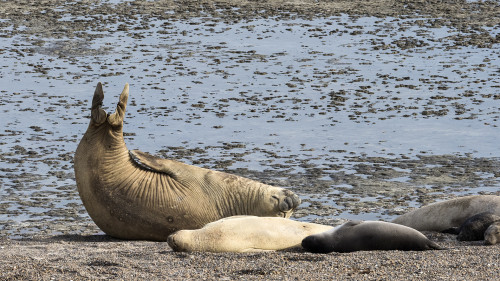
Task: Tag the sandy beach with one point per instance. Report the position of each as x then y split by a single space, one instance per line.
76 257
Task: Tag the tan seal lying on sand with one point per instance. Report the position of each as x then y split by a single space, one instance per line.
368 236
132 195
444 215
245 234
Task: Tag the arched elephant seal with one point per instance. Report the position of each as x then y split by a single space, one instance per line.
132 195
451 213
245 234
492 234
368 236
473 228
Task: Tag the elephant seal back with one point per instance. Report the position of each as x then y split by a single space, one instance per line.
447 214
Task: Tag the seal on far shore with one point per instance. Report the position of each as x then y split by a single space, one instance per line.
492 234
245 234
368 236
447 214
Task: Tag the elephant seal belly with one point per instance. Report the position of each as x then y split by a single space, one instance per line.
368 236
245 234
448 214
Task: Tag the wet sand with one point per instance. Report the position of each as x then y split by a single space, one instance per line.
46 233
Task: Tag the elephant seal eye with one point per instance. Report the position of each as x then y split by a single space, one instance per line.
170 219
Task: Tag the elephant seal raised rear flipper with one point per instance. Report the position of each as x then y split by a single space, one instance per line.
137 196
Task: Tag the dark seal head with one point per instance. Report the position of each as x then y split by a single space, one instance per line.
368 236
474 227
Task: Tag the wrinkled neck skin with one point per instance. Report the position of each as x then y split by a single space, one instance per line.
106 139
100 147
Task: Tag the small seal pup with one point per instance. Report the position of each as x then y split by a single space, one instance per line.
368 236
474 227
447 214
245 234
492 234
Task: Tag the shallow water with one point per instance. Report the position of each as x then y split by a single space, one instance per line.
363 117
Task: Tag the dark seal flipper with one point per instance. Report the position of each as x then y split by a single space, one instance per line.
434 246
451 230
314 244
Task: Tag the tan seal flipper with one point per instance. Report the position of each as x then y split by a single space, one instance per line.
245 234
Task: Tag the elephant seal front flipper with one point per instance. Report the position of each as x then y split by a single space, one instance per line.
285 200
172 168
368 236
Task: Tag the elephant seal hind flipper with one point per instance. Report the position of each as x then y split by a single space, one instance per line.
368 236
